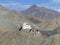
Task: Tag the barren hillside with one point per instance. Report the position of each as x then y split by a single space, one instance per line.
10 22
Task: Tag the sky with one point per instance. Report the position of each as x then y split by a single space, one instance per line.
24 4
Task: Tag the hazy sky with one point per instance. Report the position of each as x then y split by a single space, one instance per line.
24 4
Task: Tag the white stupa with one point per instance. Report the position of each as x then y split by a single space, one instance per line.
26 25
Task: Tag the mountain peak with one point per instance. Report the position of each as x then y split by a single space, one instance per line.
34 5
41 12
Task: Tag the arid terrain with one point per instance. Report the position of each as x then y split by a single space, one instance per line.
39 17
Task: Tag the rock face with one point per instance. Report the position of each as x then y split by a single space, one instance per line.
41 12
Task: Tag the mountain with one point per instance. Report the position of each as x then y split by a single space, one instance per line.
41 12
10 22
9 19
